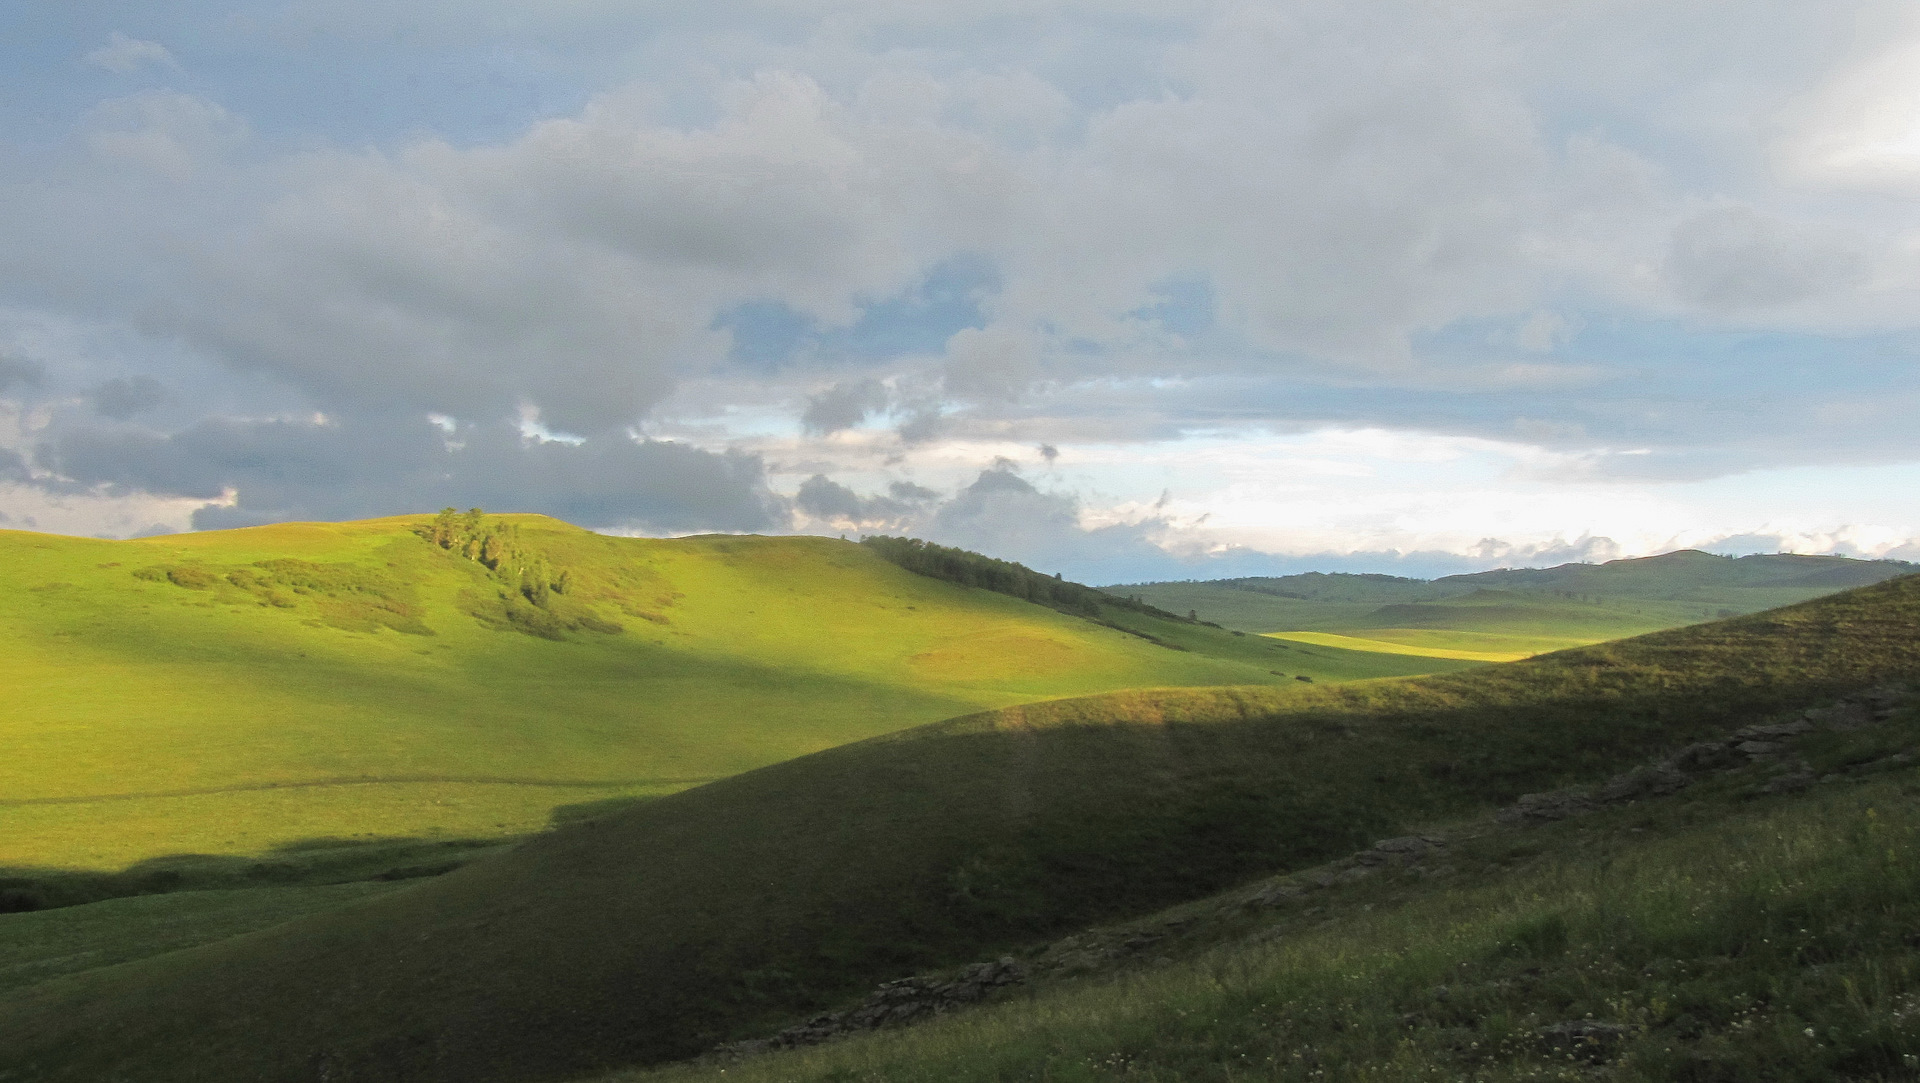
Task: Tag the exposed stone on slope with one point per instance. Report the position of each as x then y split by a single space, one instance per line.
1546 807
902 1001
1749 744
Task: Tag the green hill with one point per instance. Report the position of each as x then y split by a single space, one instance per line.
242 692
1516 612
1725 932
727 910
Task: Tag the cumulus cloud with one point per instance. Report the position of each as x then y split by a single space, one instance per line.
1561 227
16 372
123 55
265 471
844 405
1737 258
1005 514
165 132
831 502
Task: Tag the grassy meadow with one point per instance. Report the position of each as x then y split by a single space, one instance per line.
1460 646
733 908
242 692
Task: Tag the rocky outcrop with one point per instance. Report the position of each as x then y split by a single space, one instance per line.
904 1001
1749 744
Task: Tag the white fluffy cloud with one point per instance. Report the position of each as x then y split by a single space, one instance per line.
123 55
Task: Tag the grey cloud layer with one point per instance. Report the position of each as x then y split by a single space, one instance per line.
281 470
1412 215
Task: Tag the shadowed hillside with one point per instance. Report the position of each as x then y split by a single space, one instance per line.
723 911
1750 918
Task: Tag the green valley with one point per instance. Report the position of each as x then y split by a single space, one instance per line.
734 908
1512 613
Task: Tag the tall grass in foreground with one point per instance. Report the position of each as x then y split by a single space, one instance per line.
1776 943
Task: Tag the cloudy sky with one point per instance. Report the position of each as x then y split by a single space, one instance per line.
1129 290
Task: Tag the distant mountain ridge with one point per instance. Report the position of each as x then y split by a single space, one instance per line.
1654 577
1515 610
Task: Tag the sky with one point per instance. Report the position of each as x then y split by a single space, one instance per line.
1124 290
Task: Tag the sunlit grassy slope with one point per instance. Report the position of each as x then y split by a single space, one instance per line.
1443 645
1518 611
231 714
729 909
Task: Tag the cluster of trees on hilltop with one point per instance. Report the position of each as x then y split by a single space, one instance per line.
495 545
1003 577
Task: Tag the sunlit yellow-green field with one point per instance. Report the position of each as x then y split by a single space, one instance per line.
1422 643
150 718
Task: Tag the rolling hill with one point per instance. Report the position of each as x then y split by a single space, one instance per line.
1756 925
264 693
726 910
1512 613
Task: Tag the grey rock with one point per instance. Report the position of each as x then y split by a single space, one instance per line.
1794 781
1643 782
1898 759
1774 732
1404 850
1844 715
1886 698
1274 894
900 1001
1706 756
1758 748
1555 805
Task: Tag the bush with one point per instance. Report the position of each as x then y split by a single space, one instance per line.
1004 577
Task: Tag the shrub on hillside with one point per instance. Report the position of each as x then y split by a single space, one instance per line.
1004 577
347 596
532 595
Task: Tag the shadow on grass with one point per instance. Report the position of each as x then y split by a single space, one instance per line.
300 862
303 862
604 807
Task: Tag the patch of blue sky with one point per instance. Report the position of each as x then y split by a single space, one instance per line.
1663 378
1185 306
295 86
771 335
